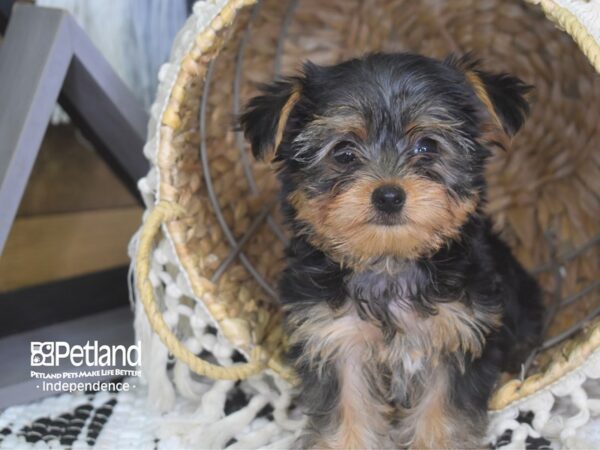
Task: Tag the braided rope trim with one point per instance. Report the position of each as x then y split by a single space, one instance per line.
570 358
559 411
568 22
162 213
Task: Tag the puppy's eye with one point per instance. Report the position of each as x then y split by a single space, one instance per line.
343 153
425 145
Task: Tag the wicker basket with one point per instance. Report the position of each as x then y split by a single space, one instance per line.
214 208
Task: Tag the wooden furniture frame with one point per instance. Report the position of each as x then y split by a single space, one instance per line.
46 57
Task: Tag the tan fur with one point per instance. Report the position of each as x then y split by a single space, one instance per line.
343 337
343 124
492 132
346 125
426 123
455 328
432 423
343 225
285 114
360 415
477 83
327 332
358 348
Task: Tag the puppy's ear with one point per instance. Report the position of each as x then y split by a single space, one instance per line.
506 94
266 115
502 94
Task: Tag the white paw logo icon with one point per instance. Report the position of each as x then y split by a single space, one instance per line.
42 353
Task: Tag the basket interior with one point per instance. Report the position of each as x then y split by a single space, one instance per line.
544 194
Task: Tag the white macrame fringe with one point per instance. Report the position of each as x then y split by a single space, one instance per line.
559 411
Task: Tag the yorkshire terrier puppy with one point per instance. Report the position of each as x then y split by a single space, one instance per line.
402 305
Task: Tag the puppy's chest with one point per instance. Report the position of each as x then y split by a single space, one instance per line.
411 329
387 299
381 328
378 326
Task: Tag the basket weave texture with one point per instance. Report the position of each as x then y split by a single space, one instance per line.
544 193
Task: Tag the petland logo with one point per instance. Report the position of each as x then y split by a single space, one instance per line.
51 354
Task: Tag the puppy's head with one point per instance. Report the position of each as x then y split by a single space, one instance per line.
384 155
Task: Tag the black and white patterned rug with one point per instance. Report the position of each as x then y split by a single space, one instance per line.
125 420
82 420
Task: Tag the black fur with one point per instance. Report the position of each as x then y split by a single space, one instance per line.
475 267
505 90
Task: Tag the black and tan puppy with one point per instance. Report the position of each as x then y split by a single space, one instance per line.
402 304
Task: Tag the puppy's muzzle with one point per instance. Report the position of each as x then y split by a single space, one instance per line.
388 198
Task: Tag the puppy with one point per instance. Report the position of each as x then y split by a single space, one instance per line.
402 305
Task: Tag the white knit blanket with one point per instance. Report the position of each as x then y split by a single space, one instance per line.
127 421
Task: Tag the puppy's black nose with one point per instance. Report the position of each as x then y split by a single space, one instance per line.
388 198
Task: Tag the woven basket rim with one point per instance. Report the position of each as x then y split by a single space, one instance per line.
206 40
